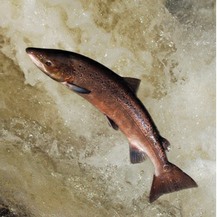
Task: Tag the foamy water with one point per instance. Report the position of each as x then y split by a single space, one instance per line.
58 156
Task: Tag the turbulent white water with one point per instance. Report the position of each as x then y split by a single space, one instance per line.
58 156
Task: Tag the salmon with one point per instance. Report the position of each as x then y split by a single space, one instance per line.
116 98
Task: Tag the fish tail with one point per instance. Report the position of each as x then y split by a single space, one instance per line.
169 180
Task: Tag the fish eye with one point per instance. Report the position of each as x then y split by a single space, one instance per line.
48 63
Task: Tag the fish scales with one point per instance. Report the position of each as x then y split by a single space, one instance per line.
115 97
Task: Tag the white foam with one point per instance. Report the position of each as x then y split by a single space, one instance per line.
73 160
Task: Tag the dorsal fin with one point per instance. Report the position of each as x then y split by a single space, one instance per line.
133 83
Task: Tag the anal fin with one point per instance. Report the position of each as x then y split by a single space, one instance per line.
136 155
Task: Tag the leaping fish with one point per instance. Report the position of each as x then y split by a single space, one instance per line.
115 97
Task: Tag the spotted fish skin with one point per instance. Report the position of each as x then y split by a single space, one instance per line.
115 97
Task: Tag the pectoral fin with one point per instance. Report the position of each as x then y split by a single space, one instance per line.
112 123
133 83
136 155
76 88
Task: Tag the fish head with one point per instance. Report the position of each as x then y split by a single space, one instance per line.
54 63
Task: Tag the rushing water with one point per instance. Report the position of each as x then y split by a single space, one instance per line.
58 156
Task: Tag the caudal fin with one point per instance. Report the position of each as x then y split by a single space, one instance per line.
170 180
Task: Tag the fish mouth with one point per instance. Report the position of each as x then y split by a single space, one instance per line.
29 50
32 52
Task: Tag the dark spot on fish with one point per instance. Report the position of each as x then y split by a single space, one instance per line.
166 168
